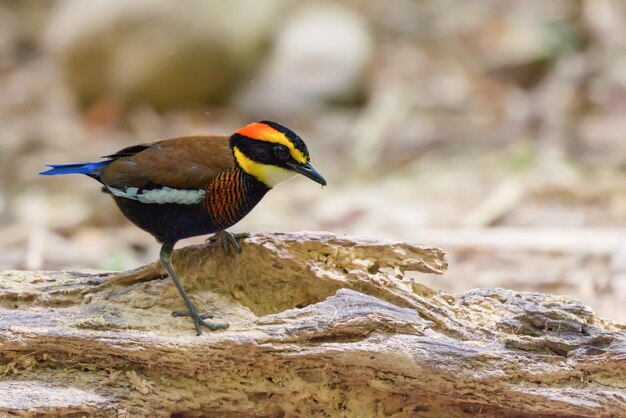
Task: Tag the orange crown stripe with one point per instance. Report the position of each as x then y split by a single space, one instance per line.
258 130
265 132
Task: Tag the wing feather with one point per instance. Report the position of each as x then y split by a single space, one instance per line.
179 163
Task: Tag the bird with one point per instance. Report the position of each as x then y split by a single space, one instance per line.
197 185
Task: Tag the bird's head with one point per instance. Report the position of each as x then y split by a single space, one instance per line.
272 153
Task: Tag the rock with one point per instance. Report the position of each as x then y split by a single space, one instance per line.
160 52
321 55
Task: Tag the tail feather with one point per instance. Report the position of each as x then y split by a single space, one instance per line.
91 169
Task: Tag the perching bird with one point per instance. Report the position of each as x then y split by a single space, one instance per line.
196 185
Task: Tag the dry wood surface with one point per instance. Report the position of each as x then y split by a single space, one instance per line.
321 325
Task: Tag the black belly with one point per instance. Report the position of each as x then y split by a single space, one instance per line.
168 221
237 192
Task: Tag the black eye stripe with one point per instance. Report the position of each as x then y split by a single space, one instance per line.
282 152
249 142
259 150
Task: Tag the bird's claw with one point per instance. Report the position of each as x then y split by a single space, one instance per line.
199 321
228 239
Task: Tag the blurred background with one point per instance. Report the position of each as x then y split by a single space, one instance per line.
494 129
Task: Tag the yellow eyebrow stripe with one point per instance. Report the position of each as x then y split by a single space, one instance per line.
263 132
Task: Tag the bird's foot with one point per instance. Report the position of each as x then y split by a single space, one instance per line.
227 240
203 315
199 320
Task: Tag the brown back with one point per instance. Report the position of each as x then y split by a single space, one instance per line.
189 162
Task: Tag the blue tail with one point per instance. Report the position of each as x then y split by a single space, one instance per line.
90 169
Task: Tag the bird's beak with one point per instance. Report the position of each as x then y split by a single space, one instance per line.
309 171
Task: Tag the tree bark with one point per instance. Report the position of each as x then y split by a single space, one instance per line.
321 325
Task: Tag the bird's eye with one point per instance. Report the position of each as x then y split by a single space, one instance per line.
281 152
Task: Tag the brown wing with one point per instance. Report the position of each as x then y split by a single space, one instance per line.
190 162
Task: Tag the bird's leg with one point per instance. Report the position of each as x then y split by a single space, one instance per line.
228 239
198 318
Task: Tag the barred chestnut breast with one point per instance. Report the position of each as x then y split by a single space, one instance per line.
231 196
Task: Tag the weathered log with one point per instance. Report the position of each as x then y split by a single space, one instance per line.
321 325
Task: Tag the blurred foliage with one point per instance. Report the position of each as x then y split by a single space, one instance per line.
427 117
